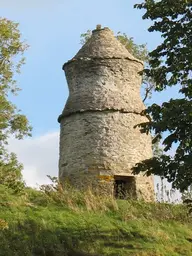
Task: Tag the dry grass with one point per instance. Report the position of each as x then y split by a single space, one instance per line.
78 200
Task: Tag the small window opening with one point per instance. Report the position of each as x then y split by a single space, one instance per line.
124 187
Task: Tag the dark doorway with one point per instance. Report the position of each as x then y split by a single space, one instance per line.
124 187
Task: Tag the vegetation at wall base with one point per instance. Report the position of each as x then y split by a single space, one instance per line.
67 222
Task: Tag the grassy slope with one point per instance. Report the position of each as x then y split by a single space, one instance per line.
34 224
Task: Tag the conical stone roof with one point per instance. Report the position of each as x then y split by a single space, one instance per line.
103 44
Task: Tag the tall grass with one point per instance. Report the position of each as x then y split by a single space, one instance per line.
166 194
61 221
68 196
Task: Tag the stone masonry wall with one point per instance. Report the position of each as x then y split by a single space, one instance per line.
100 84
98 138
100 143
102 140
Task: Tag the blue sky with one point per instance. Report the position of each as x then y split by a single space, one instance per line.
52 28
53 32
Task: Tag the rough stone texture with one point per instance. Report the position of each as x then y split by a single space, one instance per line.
98 138
101 84
103 44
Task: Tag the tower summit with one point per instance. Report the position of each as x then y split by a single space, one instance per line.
99 143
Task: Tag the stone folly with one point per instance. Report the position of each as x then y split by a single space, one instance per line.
99 143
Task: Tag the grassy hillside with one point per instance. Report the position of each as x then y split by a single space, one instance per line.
70 223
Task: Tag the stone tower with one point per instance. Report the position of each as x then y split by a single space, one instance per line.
99 143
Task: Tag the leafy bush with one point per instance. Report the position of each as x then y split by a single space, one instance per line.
10 173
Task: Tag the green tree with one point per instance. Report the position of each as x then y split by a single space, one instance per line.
12 122
170 64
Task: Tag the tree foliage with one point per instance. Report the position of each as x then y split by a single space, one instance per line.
12 122
10 173
170 64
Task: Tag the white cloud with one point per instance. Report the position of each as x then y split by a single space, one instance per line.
39 156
